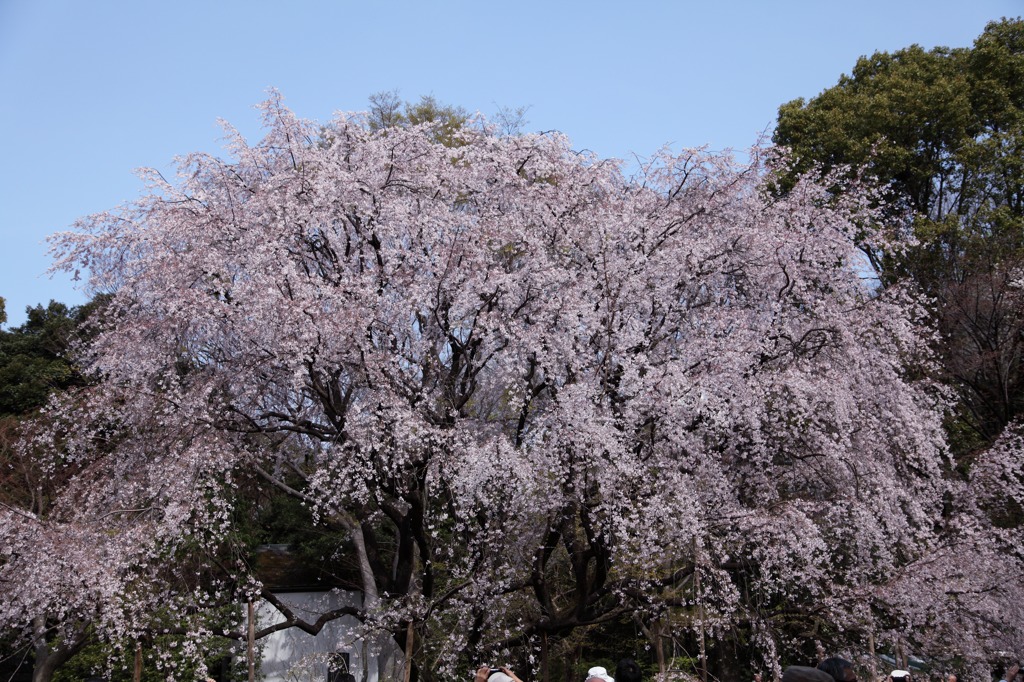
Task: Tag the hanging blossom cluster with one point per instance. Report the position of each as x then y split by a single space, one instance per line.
534 394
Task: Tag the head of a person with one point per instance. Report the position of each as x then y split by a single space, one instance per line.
627 671
840 669
599 674
900 676
951 677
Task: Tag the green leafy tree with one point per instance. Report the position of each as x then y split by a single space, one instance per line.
34 357
387 110
942 133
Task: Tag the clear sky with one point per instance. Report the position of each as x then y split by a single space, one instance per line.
92 89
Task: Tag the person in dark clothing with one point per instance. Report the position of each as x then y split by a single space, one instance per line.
839 668
799 673
627 671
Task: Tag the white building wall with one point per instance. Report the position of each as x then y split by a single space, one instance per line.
292 655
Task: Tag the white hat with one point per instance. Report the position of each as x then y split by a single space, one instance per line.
900 674
499 677
599 673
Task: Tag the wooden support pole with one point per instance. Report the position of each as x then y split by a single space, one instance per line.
251 648
137 674
410 640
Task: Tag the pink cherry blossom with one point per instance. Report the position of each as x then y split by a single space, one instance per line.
534 393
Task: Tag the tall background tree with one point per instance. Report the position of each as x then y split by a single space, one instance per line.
34 357
942 131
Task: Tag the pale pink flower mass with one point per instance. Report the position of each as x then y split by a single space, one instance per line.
510 343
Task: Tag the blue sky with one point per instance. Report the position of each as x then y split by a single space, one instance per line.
92 89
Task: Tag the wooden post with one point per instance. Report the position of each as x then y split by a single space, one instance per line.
410 639
659 648
703 645
544 657
251 648
871 651
700 612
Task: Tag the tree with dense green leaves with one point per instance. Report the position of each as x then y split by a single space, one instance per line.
942 133
387 110
33 358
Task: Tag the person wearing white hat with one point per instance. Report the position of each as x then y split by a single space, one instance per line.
900 676
599 674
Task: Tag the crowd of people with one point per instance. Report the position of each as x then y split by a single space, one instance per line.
627 670
833 669
837 669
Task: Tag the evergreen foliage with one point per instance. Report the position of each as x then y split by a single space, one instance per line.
942 133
